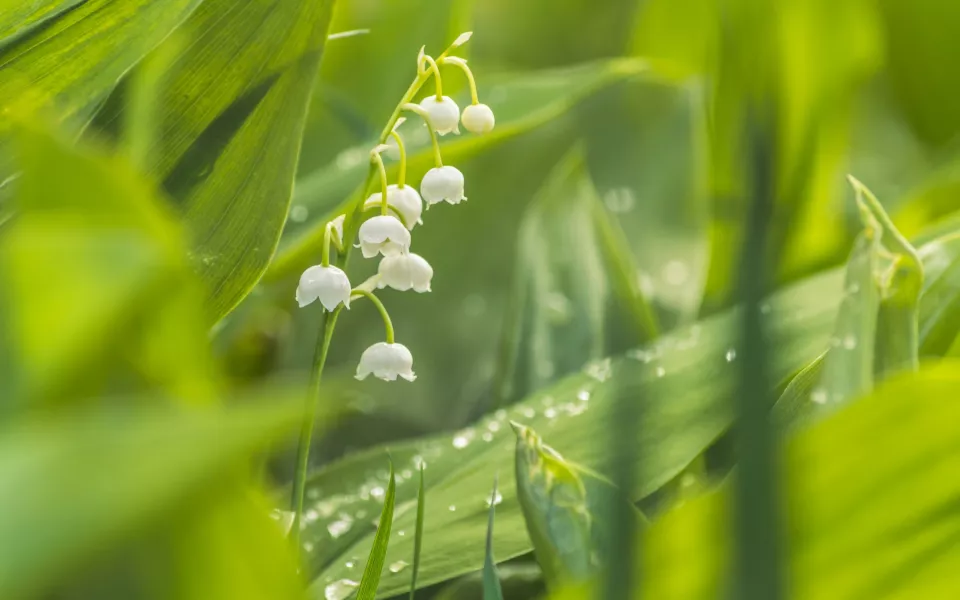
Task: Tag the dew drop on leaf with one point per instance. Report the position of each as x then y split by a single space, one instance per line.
731 355
583 395
339 590
661 371
452 508
397 566
850 342
496 500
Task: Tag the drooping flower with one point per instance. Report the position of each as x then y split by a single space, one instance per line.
383 234
442 184
405 272
404 199
386 361
444 113
478 118
327 284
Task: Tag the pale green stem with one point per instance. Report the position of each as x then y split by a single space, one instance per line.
436 75
459 62
387 323
434 139
402 177
325 252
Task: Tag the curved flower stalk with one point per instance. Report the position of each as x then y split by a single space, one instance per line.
380 223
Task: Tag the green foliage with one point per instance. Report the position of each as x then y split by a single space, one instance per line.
371 572
491 579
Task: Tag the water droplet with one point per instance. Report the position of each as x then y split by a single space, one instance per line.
494 426
487 437
460 441
599 369
299 213
310 516
397 566
340 526
349 564
308 547
850 342
497 499
619 200
378 492
452 508
661 371
765 308
528 412
731 355
550 413
339 590
675 272
401 533
583 395
853 288
819 396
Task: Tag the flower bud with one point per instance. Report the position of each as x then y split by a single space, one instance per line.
478 118
444 113
442 184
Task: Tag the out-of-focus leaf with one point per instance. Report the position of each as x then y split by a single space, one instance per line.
374 567
869 515
919 48
940 302
521 102
64 58
234 103
685 379
491 578
569 266
94 281
554 503
124 471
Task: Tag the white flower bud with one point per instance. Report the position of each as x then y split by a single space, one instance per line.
383 234
328 284
386 361
444 113
478 118
337 225
442 183
404 272
404 199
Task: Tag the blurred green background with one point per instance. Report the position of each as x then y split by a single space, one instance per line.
166 171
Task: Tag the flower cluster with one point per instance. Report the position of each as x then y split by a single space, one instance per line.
387 218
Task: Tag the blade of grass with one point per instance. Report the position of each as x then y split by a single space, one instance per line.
418 539
491 579
371 574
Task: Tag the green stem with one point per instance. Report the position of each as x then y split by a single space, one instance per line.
383 182
306 429
414 108
459 62
436 75
387 323
402 177
325 252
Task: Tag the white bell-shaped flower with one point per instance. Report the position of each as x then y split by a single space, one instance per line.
404 199
442 183
478 118
327 284
386 361
383 234
444 113
405 272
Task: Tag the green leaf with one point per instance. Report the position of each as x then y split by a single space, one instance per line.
940 302
64 58
570 264
371 573
856 532
521 102
418 534
491 579
554 503
234 107
124 469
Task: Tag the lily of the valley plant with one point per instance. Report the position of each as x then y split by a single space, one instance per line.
382 225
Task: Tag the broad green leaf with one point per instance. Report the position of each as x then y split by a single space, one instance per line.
491 578
234 105
554 503
570 266
94 281
64 58
124 469
374 567
685 379
522 103
868 514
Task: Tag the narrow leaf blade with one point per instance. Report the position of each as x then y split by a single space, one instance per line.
371 573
